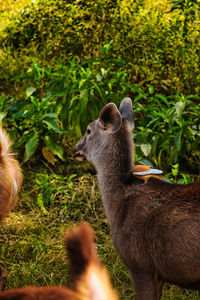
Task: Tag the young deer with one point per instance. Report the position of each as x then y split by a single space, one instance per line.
10 176
90 280
155 225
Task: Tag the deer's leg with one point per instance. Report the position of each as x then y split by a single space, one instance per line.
159 285
147 286
3 277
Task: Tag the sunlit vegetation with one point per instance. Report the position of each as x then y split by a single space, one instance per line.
60 63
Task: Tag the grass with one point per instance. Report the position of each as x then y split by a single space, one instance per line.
32 249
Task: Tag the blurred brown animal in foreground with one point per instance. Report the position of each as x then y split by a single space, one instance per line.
90 280
10 176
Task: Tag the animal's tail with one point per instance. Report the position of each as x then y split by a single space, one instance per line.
89 278
10 175
5 143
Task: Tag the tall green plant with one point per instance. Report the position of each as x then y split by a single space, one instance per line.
62 100
168 130
33 124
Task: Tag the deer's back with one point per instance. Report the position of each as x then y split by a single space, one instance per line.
158 225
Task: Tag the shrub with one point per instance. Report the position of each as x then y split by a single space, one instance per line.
63 100
160 46
60 100
33 124
168 130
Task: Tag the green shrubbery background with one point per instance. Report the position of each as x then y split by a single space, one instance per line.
160 45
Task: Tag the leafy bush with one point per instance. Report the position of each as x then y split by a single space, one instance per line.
168 130
76 91
32 123
58 101
160 47
62 100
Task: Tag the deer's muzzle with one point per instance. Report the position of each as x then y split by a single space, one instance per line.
78 154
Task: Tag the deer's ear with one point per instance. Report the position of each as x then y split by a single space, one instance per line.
126 111
110 118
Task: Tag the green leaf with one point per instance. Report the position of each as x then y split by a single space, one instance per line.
51 115
52 123
60 94
31 146
151 89
179 108
106 48
187 178
178 141
146 162
48 155
54 147
2 116
41 204
146 149
30 91
81 83
90 60
175 169
163 98
18 106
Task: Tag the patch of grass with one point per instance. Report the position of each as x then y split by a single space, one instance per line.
32 249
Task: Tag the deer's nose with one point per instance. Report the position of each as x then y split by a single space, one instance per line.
78 154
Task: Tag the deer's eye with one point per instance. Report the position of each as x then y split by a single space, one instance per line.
88 131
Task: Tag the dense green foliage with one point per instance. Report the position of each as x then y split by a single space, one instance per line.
159 44
168 130
61 101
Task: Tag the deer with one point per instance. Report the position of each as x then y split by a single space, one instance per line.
155 225
89 278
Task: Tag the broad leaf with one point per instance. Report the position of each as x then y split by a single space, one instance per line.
31 146
51 115
146 149
179 108
146 162
30 91
52 123
48 155
53 146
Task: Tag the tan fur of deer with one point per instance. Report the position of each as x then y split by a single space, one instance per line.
10 176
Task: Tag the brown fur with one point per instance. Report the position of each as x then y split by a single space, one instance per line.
90 280
10 176
155 225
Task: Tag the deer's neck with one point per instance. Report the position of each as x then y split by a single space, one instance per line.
112 169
